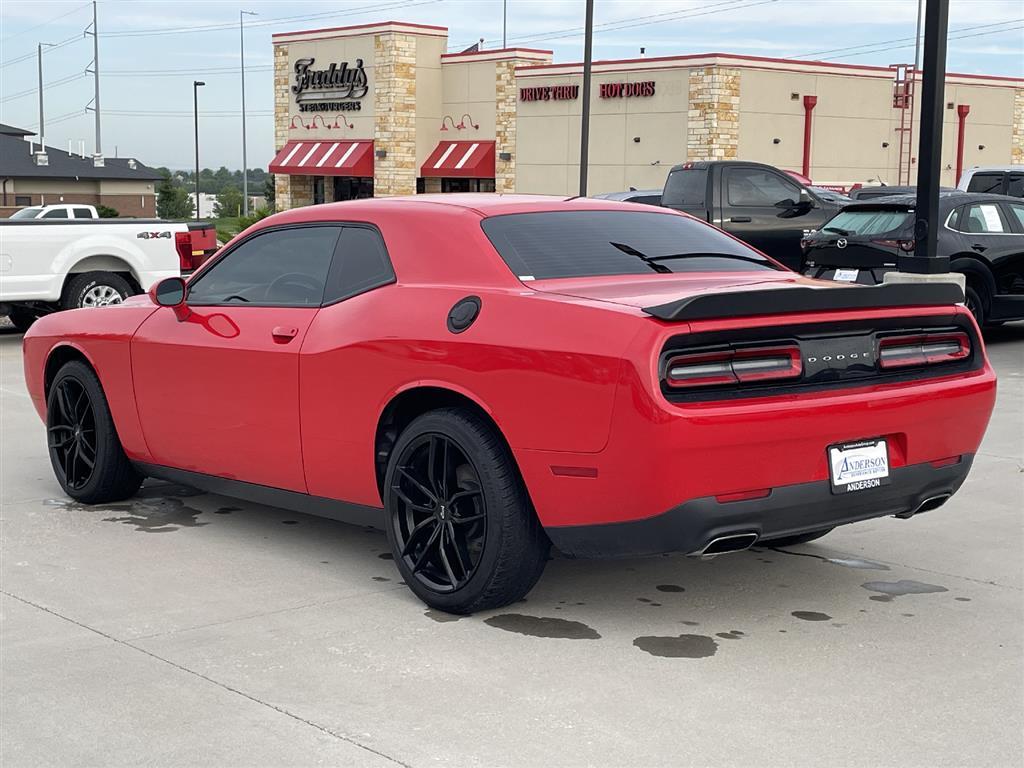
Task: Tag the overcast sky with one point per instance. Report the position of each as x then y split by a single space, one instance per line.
152 50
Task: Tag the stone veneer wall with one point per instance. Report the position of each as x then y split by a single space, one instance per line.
713 126
506 98
289 191
1017 145
394 129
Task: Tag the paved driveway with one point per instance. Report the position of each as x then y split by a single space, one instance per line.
185 629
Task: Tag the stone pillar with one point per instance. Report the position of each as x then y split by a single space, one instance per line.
506 99
283 197
394 128
1017 145
713 125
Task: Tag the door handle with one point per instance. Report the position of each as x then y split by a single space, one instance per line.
284 333
979 248
740 219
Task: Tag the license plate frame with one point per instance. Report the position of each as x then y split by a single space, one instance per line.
846 275
871 468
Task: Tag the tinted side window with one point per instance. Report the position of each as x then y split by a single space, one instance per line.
1018 211
360 263
284 267
1015 187
986 182
981 218
685 187
82 213
58 213
551 244
752 187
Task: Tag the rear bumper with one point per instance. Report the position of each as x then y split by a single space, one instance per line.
786 511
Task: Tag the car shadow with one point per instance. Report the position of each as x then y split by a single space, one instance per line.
1004 334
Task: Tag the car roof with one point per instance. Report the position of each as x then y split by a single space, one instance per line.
949 199
984 168
482 204
628 195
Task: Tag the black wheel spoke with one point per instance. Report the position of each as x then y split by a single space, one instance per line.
444 559
458 550
404 471
468 494
426 549
63 404
409 502
90 463
444 471
432 467
470 519
420 527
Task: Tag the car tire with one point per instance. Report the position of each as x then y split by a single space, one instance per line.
791 541
80 430
95 289
22 319
461 527
974 298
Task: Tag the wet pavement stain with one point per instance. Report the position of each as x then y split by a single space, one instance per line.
963 599
678 647
811 615
893 589
644 600
226 510
157 515
542 626
440 616
690 623
669 588
289 522
380 578
846 562
732 635
386 556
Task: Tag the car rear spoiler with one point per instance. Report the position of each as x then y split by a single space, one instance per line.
780 301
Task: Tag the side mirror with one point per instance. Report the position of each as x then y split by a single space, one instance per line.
786 204
169 292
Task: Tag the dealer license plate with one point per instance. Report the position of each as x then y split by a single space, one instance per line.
846 275
858 466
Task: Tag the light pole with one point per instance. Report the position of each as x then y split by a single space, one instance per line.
588 51
245 166
504 23
195 103
42 130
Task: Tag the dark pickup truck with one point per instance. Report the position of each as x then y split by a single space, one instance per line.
756 203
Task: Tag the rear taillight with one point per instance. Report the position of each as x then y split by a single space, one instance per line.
907 246
183 245
734 366
923 349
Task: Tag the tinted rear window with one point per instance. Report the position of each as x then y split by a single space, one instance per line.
869 222
686 186
986 182
551 244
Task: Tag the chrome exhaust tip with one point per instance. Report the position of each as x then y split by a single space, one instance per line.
733 542
932 502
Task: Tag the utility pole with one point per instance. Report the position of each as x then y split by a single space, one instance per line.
504 23
588 50
196 84
245 166
42 127
925 259
96 76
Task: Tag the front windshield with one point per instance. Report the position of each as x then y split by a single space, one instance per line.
26 213
551 244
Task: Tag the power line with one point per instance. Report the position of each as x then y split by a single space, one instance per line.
910 44
45 23
876 43
52 84
32 55
267 22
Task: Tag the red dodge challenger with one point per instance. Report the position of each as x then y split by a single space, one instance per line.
486 375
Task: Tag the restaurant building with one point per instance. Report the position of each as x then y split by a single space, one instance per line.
382 109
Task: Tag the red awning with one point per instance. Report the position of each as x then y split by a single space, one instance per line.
325 158
461 159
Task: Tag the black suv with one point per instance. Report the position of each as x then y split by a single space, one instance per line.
983 235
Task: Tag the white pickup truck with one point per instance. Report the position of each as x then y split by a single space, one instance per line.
62 211
48 265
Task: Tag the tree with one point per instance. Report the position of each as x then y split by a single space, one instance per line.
173 202
106 212
268 191
229 202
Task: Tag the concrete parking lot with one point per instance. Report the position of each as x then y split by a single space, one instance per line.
192 629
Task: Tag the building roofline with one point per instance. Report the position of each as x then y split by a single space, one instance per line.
500 53
360 29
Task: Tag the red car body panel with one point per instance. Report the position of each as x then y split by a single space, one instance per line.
567 369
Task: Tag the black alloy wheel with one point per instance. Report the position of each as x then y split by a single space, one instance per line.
72 434
459 520
439 521
975 305
85 451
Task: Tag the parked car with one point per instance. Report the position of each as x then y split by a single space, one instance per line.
50 264
983 235
873 193
483 375
996 180
56 212
645 196
830 195
757 203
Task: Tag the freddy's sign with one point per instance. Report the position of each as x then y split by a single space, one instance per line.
330 88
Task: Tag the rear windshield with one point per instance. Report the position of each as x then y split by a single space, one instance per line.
986 182
868 222
685 187
537 246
